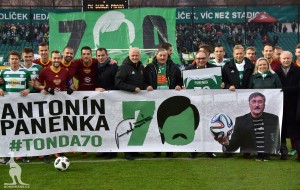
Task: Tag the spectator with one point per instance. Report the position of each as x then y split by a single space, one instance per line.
294 26
284 29
280 27
275 39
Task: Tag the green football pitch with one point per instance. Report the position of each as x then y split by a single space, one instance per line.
89 172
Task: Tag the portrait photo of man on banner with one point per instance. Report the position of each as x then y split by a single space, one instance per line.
256 132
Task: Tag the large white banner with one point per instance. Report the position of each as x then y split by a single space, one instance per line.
155 121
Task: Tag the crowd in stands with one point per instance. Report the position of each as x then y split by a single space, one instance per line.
13 33
190 36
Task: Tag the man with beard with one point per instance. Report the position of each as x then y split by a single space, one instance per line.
53 79
67 60
86 71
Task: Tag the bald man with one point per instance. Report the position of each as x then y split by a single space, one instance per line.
130 75
289 75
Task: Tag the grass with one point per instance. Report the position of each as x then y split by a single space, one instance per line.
88 172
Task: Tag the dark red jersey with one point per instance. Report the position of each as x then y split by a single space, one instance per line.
56 80
86 75
71 67
39 61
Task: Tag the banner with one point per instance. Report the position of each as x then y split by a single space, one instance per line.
117 30
29 15
208 78
234 14
155 121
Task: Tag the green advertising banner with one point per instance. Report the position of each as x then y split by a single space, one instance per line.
116 30
27 15
234 14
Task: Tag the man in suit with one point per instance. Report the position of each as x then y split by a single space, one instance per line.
256 132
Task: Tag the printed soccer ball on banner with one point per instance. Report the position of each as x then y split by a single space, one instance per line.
61 163
221 126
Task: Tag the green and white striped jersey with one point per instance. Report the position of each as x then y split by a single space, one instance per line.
15 81
34 70
214 62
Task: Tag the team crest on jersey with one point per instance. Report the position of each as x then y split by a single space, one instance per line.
14 82
87 79
86 70
56 81
22 76
56 89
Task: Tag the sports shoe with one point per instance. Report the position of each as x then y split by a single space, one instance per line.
267 157
283 157
101 155
111 155
25 160
193 154
259 157
156 154
170 155
292 152
128 156
46 159
6 159
211 155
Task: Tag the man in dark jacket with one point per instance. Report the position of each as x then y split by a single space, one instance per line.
289 76
105 81
236 73
106 71
256 132
130 75
201 62
161 74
